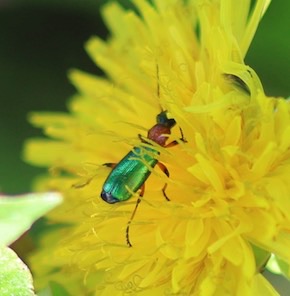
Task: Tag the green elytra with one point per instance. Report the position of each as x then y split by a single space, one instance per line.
130 172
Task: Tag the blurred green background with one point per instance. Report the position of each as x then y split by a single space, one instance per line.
40 40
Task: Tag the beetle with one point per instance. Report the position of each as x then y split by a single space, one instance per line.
135 168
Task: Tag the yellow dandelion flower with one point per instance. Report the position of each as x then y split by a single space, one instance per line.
229 181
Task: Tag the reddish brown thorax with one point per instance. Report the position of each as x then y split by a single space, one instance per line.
158 133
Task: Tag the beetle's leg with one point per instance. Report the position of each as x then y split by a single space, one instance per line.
171 144
142 139
174 143
164 169
88 181
182 136
110 164
133 214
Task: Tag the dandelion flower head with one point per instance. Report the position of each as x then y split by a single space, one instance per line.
229 182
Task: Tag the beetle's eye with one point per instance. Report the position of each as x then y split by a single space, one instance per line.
161 118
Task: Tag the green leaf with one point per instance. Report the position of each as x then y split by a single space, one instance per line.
17 213
273 265
284 267
278 266
53 289
15 277
261 256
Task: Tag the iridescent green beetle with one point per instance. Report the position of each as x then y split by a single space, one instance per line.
131 172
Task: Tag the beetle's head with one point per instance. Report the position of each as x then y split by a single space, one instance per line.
162 119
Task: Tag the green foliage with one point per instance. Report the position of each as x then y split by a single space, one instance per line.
54 289
16 216
278 266
18 213
261 256
15 277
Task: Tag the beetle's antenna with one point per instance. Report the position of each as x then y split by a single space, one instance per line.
158 81
158 85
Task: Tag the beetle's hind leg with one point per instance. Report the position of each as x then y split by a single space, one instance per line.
164 169
133 215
